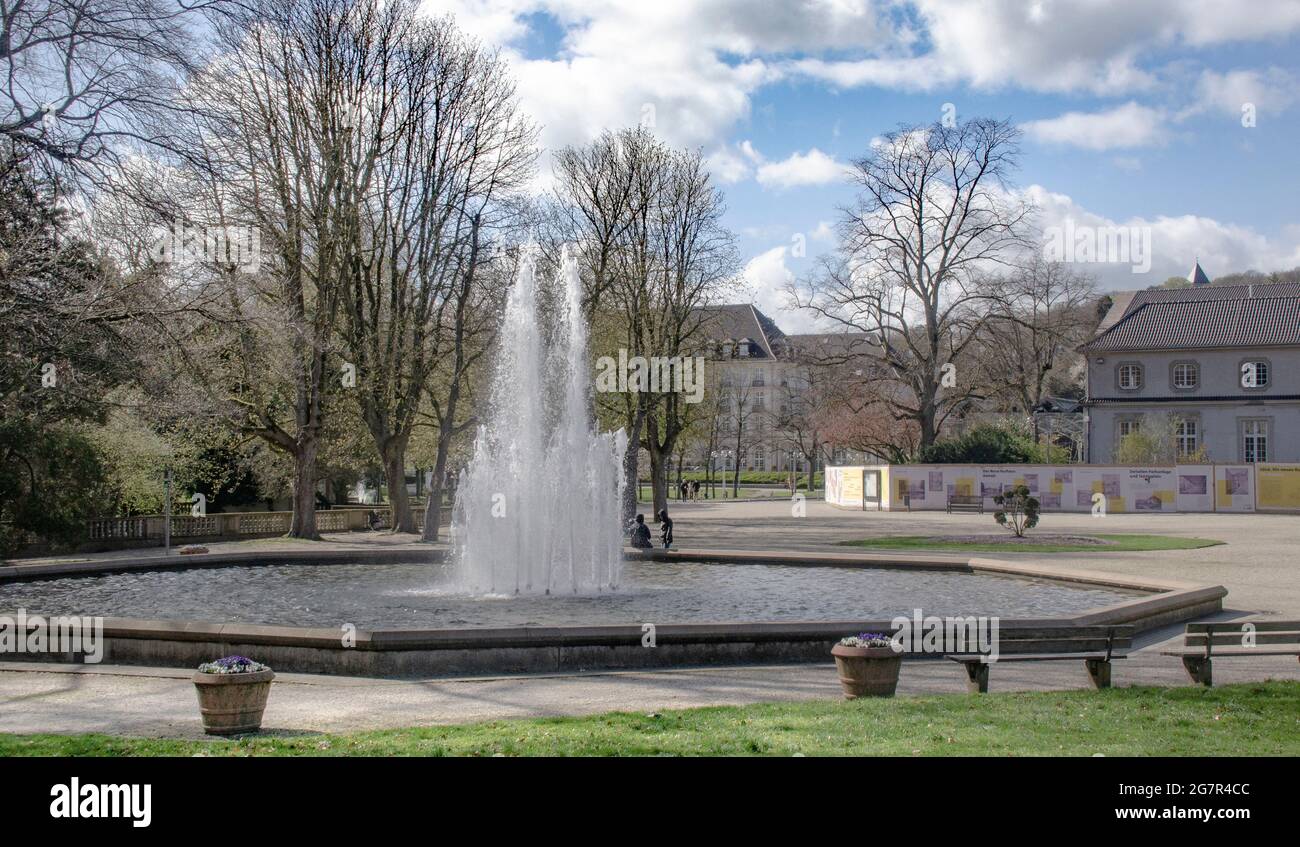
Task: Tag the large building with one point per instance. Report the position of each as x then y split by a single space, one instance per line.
1219 364
762 377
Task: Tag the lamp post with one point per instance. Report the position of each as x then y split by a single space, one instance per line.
167 512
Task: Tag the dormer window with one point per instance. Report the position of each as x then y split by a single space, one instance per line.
1130 376
743 348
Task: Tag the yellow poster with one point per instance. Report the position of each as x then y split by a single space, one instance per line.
1278 486
851 490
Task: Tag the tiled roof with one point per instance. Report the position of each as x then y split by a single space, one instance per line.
1204 322
740 321
1133 300
830 346
736 322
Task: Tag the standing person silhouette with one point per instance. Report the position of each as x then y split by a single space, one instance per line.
665 529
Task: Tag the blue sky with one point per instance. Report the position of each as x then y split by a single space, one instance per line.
1132 111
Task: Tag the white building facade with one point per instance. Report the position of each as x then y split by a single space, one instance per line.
1221 362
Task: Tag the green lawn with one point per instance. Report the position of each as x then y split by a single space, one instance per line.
1119 544
1252 719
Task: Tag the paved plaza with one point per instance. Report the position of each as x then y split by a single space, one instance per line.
1258 564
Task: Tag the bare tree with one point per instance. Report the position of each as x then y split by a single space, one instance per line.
471 313
599 189
446 144
796 417
84 80
614 230
1042 315
275 117
694 261
933 217
739 423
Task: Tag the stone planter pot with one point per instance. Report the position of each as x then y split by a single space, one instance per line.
232 703
867 671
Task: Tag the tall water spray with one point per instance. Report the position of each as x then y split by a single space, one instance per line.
537 510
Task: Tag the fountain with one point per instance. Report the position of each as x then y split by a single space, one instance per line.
537 511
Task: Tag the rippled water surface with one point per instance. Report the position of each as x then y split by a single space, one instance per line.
409 596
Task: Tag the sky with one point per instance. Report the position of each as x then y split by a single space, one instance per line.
1177 118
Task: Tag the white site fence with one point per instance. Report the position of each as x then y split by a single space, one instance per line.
1071 488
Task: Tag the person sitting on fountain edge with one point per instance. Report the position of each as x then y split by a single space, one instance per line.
666 529
641 533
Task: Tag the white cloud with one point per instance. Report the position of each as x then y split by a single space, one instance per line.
1096 46
695 64
734 163
698 65
1129 125
767 276
1269 91
1175 242
811 168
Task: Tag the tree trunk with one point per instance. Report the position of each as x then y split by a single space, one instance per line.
926 419
658 480
447 423
399 501
630 462
433 508
303 523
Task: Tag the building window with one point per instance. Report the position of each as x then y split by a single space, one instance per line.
1254 441
1187 435
760 458
758 379
1255 373
1186 375
757 404
1130 376
1129 426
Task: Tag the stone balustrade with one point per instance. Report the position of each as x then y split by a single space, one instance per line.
229 525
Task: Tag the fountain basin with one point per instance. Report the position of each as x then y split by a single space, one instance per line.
1032 595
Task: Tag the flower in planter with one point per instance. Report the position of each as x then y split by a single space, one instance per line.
233 664
867 639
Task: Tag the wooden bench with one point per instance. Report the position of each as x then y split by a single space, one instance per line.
1204 641
1095 646
966 503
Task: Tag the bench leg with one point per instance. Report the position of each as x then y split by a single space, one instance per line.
1200 669
977 677
1099 671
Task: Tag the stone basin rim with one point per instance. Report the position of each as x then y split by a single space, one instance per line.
405 652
